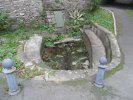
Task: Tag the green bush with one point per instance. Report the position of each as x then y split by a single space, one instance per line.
94 4
5 22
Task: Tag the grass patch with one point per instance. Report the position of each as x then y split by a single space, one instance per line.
10 41
113 71
76 83
102 17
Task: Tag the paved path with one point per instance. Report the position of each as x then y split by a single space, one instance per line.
119 86
122 81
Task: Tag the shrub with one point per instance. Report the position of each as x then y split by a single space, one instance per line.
5 22
94 4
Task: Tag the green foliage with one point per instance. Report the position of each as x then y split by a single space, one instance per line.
5 22
76 16
8 47
40 25
94 4
60 36
74 34
100 16
75 22
49 41
57 1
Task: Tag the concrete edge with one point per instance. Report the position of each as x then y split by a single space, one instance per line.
114 20
116 53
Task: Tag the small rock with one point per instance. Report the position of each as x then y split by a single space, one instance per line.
86 67
79 50
21 14
86 63
74 63
38 78
2 40
28 64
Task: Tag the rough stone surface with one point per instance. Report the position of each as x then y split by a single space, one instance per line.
63 75
70 90
32 49
30 9
115 49
65 4
27 9
98 49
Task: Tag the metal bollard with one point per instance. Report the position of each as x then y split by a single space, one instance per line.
100 73
8 70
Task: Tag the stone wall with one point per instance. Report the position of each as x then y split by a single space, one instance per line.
22 8
65 4
28 9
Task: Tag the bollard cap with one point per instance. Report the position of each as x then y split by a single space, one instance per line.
7 63
103 61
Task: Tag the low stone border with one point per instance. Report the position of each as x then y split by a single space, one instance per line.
116 53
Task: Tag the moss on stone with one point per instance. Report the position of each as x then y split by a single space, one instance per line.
117 68
76 83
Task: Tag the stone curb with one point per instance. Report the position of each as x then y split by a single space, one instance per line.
116 53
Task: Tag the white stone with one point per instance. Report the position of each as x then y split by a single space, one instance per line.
38 78
21 14
28 64
73 63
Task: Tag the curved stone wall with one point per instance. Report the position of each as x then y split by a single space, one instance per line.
104 38
110 43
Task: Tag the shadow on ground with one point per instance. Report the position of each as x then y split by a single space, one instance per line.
120 6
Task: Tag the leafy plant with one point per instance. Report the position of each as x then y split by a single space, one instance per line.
94 4
48 41
60 36
5 21
76 16
73 34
